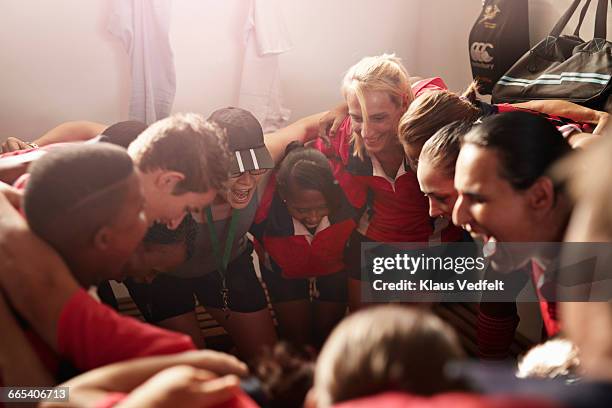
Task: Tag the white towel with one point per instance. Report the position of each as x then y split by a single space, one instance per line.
271 32
266 36
143 26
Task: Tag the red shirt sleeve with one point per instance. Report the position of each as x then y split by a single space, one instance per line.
453 399
91 335
338 153
548 309
241 400
429 84
506 107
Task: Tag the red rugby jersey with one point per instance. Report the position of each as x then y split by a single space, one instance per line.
396 209
292 249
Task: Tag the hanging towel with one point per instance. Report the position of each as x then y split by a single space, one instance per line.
266 36
143 27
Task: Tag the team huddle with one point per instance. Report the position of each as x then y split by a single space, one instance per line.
211 211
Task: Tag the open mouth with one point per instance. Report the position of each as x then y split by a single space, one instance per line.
240 196
503 256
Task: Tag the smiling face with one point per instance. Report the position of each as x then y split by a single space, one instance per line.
488 207
379 130
438 188
307 206
240 189
491 210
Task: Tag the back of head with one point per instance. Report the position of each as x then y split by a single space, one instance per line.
73 191
557 358
433 110
307 169
527 145
285 373
123 133
240 126
188 144
245 139
442 150
385 348
588 176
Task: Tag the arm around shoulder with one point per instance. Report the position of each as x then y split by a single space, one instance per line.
71 132
303 130
569 110
32 275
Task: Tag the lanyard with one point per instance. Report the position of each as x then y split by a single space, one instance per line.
227 250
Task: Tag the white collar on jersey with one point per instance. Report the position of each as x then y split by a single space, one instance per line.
377 170
300 229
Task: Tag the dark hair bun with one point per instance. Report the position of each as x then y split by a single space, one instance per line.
293 146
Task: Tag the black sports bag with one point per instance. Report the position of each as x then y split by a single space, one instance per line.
499 37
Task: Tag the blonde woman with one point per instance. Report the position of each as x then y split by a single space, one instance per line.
370 162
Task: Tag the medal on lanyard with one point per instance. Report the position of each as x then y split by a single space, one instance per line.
222 262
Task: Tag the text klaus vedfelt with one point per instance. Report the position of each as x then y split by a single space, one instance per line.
412 264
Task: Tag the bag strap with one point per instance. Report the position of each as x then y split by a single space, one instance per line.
583 12
601 19
565 18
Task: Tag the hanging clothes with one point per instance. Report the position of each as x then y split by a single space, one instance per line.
266 36
143 27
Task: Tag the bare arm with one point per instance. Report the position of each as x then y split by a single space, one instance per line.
568 110
30 271
11 194
71 132
183 386
151 385
12 167
331 120
9 174
19 364
125 376
303 130
76 131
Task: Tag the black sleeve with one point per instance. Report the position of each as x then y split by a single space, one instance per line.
486 109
